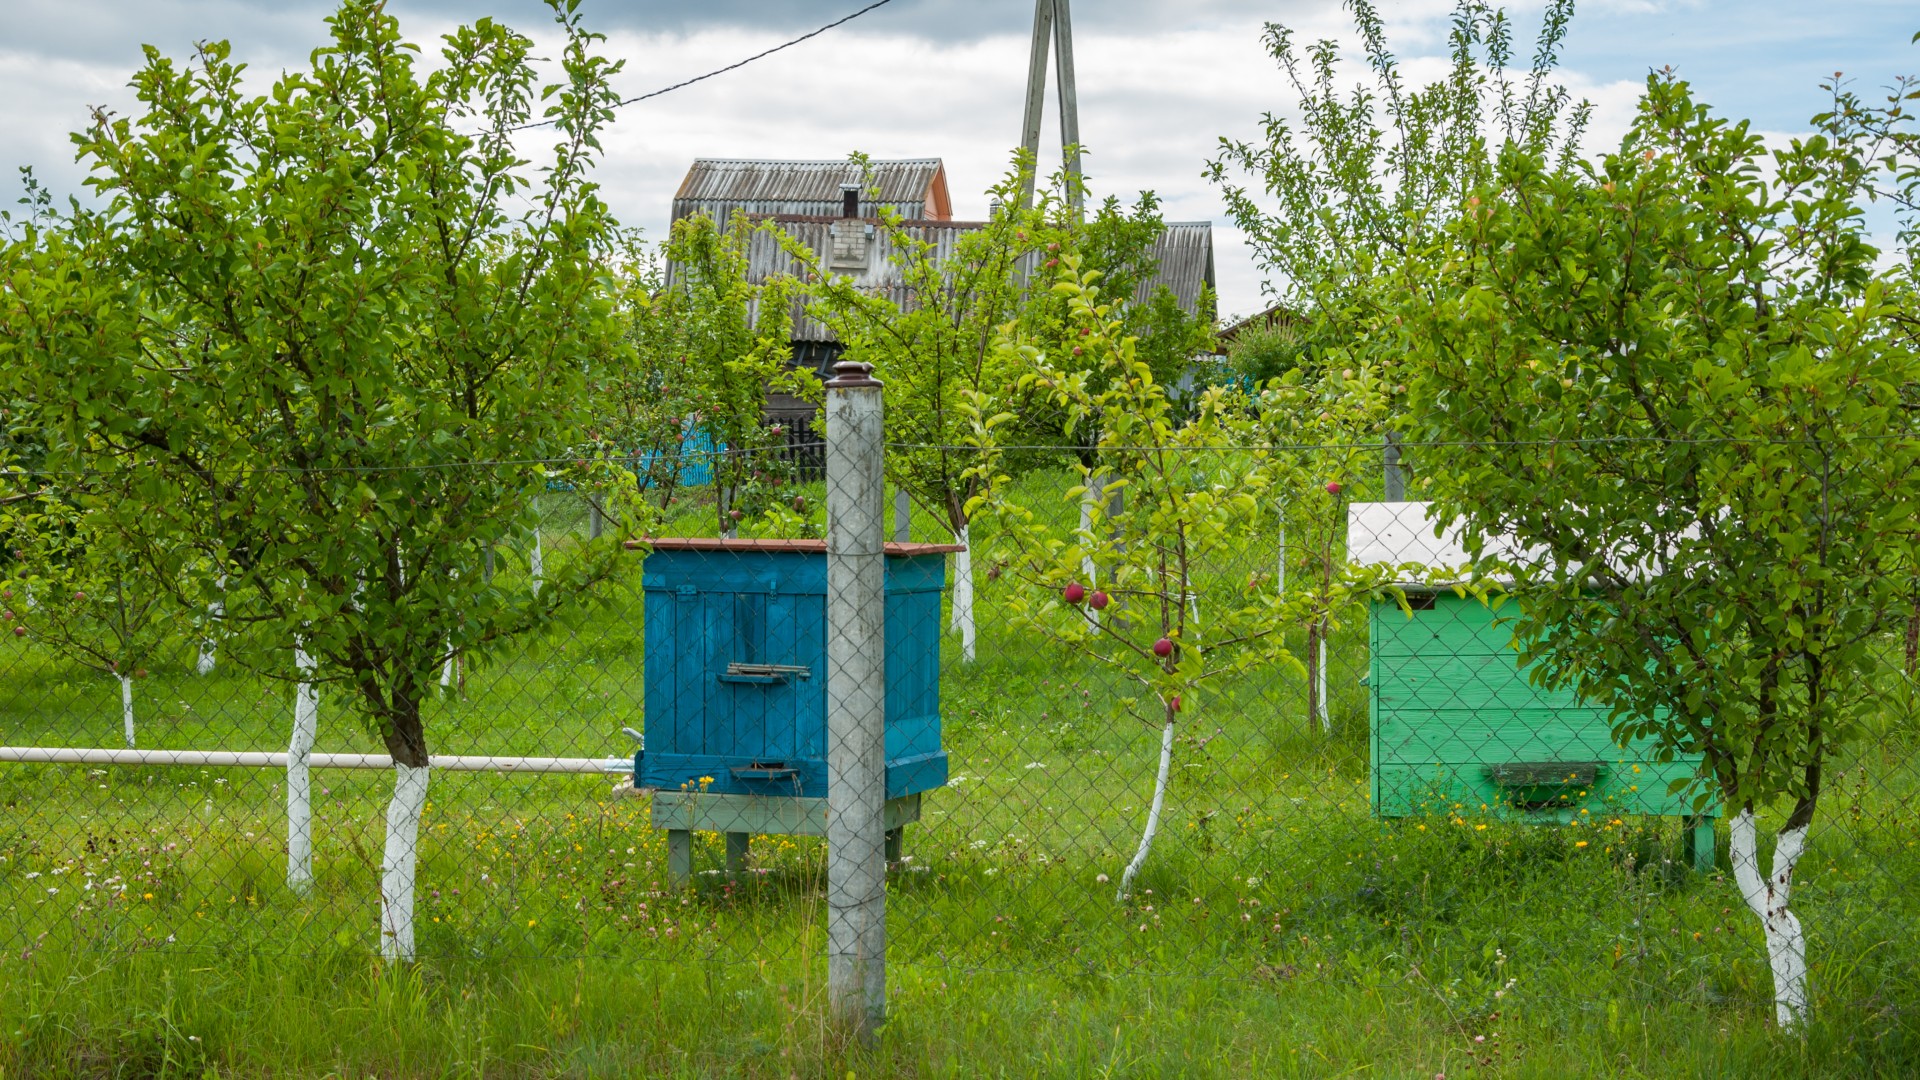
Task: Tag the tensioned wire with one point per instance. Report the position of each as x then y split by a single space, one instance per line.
730 67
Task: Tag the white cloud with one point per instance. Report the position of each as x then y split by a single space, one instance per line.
1159 82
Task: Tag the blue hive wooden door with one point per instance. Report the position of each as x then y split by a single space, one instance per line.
735 674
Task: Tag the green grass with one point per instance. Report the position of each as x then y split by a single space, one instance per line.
1279 929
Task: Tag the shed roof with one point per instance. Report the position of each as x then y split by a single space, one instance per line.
912 187
1184 252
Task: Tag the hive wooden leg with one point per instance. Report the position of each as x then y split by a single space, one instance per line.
679 857
1696 843
895 836
737 843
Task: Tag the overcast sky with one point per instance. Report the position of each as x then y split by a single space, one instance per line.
1160 82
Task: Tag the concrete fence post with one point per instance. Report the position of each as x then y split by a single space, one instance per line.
856 700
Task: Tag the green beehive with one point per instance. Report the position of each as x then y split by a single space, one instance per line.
1458 728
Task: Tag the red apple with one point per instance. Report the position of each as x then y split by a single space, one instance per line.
1074 592
1076 350
1163 647
79 597
19 631
1333 487
139 673
1174 703
1098 600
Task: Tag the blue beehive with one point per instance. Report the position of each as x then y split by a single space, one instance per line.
736 668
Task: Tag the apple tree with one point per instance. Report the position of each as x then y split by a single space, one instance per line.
1191 499
1322 425
95 602
1676 380
935 345
1349 178
309 338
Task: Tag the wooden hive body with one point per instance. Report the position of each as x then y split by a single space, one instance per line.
1458 727
736 668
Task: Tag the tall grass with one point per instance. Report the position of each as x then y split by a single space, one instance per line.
1279 929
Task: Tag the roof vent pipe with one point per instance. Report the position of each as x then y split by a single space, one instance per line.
849 200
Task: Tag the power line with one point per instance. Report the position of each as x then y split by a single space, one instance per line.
734 66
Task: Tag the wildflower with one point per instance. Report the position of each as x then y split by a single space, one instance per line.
1579 843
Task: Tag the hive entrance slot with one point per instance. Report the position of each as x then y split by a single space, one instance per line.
764 770
1544 785
764 673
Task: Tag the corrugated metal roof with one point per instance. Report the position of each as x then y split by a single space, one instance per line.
1185 251
913 188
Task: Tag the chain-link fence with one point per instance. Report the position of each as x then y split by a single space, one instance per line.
1365 785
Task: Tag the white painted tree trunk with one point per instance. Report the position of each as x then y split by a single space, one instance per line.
963 594
400 861
1280 564
306 719
447 667
1153 813
1087 569
537 566
126 707
215 610
1767 898
1320 684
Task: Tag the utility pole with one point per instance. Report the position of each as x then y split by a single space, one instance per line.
1052 24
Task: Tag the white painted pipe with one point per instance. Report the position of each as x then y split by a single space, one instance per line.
248 759
536 565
